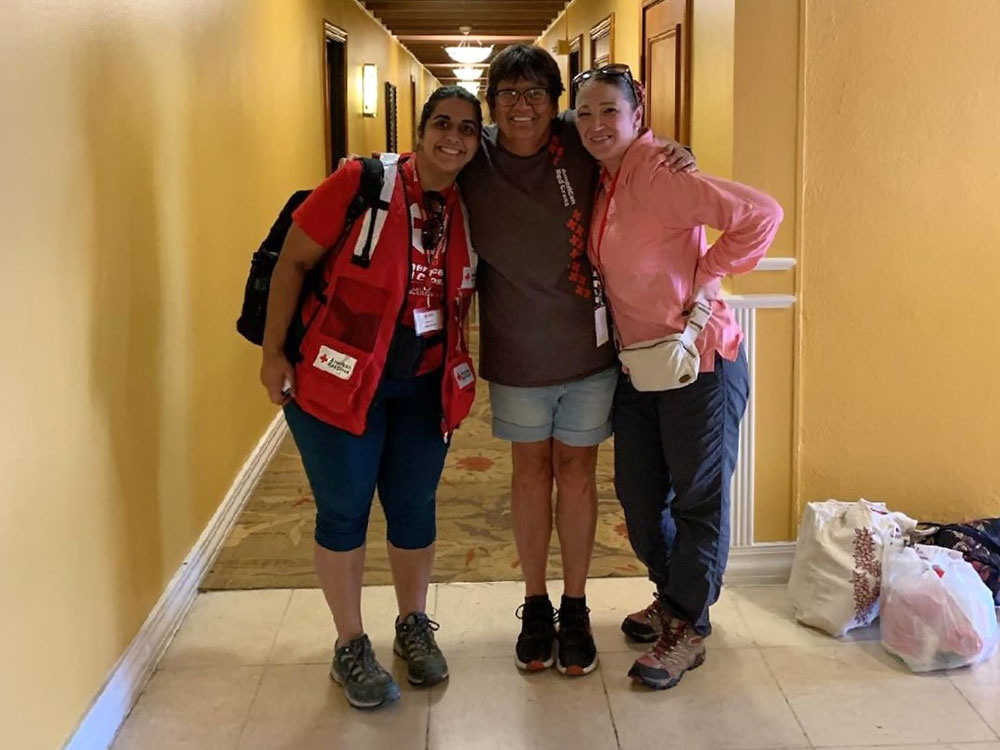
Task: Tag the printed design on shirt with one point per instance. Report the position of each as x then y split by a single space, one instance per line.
556 150
578 273
565 187
336 363
427 276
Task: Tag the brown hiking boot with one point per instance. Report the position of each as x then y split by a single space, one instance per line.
645 625
677 650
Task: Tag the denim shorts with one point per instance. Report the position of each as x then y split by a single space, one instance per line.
576 413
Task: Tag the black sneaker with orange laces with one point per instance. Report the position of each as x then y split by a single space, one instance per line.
577 651
533 652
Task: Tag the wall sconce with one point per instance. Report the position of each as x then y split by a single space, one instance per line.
369 89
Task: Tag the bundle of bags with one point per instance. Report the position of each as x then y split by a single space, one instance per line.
853 563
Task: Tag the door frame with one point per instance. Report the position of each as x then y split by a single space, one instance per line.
603 28
575 45
413 113
684 64
339 35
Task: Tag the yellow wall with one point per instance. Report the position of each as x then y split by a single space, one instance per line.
900 257
766 117
146 148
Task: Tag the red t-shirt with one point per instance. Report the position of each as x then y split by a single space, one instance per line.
321 216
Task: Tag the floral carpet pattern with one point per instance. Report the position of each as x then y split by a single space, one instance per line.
271 545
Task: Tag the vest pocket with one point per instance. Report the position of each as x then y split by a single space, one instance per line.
354 314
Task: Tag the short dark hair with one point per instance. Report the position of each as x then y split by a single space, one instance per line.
527 61
449 92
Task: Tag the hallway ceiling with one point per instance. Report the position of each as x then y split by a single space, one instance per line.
426 27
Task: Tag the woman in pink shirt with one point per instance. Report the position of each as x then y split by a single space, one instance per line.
675 442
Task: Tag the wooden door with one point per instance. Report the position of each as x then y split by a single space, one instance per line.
666 67
335 94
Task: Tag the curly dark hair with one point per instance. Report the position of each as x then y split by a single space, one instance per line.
527 61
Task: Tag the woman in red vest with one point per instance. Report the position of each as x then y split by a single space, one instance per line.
383 377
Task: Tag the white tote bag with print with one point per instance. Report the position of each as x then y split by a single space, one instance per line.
837 573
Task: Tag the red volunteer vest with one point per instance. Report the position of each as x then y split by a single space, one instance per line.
350 328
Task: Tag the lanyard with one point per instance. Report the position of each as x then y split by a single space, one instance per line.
604 219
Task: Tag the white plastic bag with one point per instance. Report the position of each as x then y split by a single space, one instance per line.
936 611
837 572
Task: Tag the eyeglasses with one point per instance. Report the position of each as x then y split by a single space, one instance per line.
532 96
614 70
433 226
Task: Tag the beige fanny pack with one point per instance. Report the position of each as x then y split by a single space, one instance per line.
670 362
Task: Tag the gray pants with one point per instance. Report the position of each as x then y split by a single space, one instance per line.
675 454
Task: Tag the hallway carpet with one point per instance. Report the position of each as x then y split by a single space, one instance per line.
271 545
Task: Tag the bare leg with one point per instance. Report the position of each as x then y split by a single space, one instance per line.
340 576
576 511
531 510
411 575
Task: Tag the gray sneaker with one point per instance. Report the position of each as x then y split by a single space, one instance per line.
365 682
425 664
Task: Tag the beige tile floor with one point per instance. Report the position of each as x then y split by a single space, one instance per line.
248 669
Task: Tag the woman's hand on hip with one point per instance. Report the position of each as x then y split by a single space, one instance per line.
707 292
278 377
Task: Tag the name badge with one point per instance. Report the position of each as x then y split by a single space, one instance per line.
468 278
463 375
428 320
601 324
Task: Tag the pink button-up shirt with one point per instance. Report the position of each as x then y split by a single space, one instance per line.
647 240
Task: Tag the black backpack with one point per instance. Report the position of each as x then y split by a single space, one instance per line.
253 314
979 543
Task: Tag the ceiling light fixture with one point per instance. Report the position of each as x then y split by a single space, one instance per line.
471 86
468 74
466 53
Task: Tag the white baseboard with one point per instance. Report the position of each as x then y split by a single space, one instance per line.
769 562
129 676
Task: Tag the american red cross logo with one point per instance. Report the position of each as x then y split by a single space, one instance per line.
323 358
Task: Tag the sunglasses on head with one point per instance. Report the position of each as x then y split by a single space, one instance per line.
433 226
614 70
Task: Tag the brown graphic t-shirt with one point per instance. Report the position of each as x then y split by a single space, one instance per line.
529 217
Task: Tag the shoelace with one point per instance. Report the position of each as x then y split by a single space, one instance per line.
419 638
653 609
575 624
669 637
519 614
363 661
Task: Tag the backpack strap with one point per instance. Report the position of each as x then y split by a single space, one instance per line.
378 180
